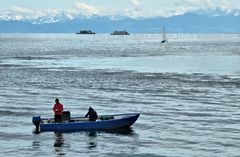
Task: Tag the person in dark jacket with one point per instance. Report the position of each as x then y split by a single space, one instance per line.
57 109
92 114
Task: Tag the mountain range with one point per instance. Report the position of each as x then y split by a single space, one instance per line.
202 21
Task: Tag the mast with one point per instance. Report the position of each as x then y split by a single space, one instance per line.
164 37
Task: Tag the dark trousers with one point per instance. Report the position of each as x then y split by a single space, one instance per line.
58 118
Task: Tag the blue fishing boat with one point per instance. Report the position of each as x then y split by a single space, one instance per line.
69 124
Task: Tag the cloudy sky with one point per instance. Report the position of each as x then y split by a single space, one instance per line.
132 8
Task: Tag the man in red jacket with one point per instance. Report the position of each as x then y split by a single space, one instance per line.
57 109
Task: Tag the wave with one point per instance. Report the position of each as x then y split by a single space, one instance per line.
10 65
15 113
14 136
28 57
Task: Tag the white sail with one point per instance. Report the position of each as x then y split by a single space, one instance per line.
164 37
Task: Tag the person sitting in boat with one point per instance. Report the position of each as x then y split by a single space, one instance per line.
92 114
57 109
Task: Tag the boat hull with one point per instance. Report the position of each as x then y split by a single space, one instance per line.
101 125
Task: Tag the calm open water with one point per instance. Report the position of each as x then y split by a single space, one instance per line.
187 91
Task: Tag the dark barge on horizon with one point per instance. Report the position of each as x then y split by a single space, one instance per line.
120 33
85 32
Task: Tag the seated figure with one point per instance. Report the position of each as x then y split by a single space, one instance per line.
92 114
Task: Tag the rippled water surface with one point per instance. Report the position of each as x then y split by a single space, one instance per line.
187 91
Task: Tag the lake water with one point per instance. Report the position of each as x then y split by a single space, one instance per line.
187 91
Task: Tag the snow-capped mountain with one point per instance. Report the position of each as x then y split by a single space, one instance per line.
200 21
217 12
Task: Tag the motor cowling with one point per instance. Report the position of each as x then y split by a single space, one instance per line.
36 121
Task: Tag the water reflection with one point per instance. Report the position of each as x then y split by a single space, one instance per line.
92 136
122 131
58 144
36 142
92 140
92 145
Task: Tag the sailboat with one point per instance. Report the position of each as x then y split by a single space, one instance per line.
164 37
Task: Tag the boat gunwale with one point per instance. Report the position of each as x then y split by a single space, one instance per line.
129 115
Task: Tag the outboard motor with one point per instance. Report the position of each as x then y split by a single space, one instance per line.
36 121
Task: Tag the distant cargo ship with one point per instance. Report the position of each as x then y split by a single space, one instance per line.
120 33
85 32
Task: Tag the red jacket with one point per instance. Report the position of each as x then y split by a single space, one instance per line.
58 108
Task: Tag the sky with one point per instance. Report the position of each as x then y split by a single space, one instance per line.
31 9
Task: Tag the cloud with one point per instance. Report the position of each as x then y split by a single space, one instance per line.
226 5
88 9
203 4
197 3
135 2
21 10
18 17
